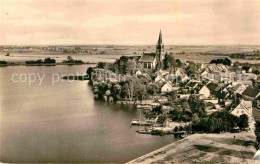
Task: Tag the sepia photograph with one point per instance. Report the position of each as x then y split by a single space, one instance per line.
130 81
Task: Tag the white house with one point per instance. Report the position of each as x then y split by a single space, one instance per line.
245 107
239 88
179 72
256 159
159 79
138 73
185 78
204 74
162 72
204 91
167 87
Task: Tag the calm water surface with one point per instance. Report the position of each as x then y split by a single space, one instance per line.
63 123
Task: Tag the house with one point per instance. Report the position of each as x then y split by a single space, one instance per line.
167 87
214 87
179 72
162 72
245 107
204 74
191 85
184 79
152 118
251 94
138 73
159 79
150 60
240 71
256 159
222 95
170 77
239 88
250 70
213 68
204 91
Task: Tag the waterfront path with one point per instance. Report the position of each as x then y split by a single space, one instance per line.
199 148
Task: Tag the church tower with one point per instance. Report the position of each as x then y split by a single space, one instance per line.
160 49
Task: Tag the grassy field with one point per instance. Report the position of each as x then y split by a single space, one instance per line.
205 148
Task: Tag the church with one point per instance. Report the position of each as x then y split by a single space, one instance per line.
150 60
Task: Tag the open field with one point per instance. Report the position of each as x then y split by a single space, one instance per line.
96 54
205 148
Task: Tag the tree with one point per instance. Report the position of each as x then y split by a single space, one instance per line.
215 124
179 63
191 69
70 59
158 109
124 65
225 61
243 121
197 105
153 88
169 62
49 60
257 131
101 65
89 71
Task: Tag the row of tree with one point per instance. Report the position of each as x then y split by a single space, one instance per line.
225 61
217 122
40 61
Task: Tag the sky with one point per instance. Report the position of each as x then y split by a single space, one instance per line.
129 22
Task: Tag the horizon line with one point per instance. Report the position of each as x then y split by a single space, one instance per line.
107 44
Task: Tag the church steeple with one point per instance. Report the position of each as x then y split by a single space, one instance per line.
160 48
160 38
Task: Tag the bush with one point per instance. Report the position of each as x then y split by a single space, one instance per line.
49 60
3 62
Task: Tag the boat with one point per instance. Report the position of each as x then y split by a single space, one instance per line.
144 131
140 122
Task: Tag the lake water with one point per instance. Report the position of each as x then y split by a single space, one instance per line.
63 123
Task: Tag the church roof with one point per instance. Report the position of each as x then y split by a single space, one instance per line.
147 57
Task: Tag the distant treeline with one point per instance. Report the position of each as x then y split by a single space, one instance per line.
40 61
73 62
238 56
3 62
70 60
225 61
235 55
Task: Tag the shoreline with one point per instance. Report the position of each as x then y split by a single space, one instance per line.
204 148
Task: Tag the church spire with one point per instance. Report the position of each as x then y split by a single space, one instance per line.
160 38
